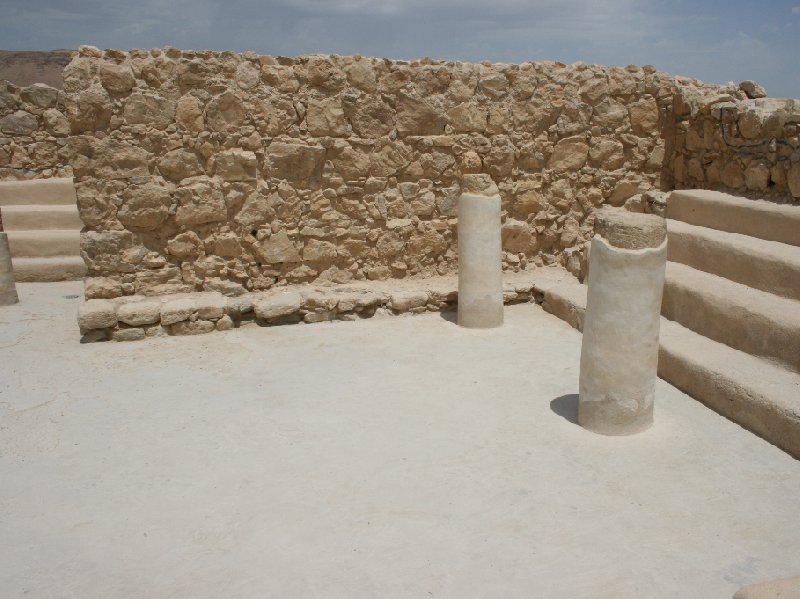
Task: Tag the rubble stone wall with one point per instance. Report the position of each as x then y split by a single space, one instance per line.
237 172
744 145
34 133
209 171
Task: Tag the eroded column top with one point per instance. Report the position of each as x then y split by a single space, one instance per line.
630 230
479 184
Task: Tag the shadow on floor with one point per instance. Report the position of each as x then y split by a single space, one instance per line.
566 406
450 316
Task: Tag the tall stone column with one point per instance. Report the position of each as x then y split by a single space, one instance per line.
8 290
480 266
619 354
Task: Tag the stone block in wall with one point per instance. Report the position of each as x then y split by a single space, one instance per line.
294 162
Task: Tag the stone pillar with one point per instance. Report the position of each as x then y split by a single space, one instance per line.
480 266
8 290
619 354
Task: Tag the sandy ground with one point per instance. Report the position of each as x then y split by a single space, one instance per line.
394 457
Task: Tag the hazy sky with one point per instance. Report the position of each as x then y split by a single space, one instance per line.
713 40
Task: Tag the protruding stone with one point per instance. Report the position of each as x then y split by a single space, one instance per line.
403 301
752 89
139 313
177 311
479 184
278 305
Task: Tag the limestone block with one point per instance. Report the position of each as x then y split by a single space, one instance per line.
295 162
225 323
416 116
148 109
281 304
225 112
570 153
644 116
403 301
752 89
200 203
236 165
188 327
236 307
40 95
177 310
180 164
139 313
326 118
97 314
116 78
189 113
19 123
210 306
277 249
319 300
135 334
145 207
56 122
101 288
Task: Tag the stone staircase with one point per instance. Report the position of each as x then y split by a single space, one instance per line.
43 226
730 331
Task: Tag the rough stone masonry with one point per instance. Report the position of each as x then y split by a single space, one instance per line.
201 171
215 171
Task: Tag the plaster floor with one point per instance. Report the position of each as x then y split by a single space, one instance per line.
392 457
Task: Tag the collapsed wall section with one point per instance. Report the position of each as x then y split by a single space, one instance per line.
236 172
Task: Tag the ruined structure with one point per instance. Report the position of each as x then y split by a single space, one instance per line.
626 278
209 171
480 274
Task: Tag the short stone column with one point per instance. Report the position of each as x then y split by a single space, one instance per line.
480 266
619 353
8 290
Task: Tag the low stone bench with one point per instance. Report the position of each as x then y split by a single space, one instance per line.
132 318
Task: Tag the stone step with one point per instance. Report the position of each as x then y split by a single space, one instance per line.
758 395
770 266
724 212
54 268
43 244
761 396
38 191
744 318
33 217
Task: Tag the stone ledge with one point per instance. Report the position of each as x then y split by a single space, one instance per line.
132 318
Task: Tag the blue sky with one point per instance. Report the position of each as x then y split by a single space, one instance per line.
715 40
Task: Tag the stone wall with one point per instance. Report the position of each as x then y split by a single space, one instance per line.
34 133
729 141
233 172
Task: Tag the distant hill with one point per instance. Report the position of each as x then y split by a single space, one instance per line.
24 67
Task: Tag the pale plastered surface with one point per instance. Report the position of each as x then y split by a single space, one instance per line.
397 457
619 355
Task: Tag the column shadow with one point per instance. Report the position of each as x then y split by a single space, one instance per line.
566 406
449 316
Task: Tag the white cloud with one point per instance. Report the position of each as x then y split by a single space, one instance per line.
796 10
